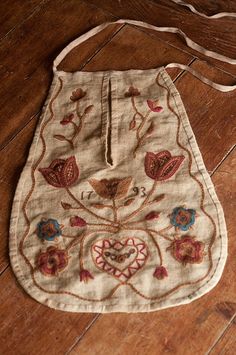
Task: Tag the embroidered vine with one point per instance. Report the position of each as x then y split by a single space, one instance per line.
120 257
70 117
139 120
113 255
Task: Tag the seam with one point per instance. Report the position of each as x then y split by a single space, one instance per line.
181 114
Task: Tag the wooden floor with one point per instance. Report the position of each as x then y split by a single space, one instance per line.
32 33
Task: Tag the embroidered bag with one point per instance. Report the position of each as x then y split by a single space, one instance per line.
114 209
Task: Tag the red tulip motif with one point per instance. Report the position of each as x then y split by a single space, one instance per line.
61 172
161 166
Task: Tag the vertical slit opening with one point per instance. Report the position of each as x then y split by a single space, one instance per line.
109 134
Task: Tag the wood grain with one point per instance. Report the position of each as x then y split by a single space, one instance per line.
27 327
14 12
227 343
186 329
162 13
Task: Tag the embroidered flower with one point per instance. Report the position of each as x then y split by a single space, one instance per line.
52 261
187 250
61 172
77 221
160 272
153 106
111 188
48 229
77 94
85 275
161 166
132 92
67 119
152 215
182 218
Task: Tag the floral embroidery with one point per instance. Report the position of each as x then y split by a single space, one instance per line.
139 120
66 206
160 272
187 250
67 119
120 258
77 221
70 117
152 215
162 166
153 106
132 92
48 229
85 275
77 94
182 218
61 172
111 188
52 261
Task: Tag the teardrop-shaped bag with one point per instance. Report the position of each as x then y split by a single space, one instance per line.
114 209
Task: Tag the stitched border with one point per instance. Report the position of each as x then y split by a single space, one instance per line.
218 219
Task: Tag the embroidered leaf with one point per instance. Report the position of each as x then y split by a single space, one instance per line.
65 205
97 205
132 124
158 198
77 221
152 215
150 128
129 201
88 109
59 137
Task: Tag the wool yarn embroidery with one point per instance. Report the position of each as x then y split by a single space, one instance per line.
121 238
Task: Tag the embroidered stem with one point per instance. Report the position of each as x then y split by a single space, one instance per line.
114 210
77 109
144 203
86 208
156 245
75 241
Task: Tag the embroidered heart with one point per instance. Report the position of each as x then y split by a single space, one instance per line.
120 258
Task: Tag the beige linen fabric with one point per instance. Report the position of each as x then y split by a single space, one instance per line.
114 209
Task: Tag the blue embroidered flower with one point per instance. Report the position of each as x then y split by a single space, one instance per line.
48 229
182 218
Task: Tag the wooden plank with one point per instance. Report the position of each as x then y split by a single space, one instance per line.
227 343
187 329
133 49
27 327
163 13
15 12
25 81
212 113
212 7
